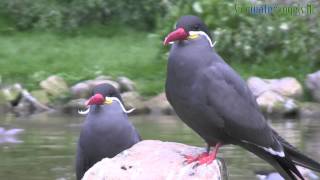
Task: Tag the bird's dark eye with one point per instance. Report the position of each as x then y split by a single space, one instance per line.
196 27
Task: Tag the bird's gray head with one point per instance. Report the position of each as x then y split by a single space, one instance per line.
188 27
104 94
101 93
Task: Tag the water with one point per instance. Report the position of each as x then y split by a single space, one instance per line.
47 145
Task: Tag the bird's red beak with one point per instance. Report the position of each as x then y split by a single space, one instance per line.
97 99
178 34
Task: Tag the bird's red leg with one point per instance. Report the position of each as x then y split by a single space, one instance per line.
211 157
191 159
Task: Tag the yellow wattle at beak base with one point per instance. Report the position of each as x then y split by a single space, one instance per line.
193 36
108 101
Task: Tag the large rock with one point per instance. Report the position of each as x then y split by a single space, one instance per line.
287 86
313 85
134 100
160 105
274 103
156 160
126 84
55 86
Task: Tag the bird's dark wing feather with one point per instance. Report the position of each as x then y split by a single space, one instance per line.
82 163
232 100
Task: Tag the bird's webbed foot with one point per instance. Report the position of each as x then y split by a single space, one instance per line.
190 159
204 158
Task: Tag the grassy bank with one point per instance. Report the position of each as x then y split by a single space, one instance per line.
29 57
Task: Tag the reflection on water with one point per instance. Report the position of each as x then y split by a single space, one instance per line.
10 135
49 143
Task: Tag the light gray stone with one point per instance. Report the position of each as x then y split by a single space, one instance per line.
126 84
287 86
160 105
55 86
313 85
80 90
156 160
274 103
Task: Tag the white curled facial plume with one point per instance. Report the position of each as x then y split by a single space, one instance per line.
203 34
84 112
109 98
122 106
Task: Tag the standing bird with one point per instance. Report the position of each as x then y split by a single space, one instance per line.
106 131
213 100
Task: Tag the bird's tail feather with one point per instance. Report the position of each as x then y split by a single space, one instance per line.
297 157
289 166
284 165
303 160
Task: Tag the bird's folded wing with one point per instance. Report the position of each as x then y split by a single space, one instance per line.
232 100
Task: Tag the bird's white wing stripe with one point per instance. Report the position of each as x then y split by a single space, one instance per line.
270 150
277 153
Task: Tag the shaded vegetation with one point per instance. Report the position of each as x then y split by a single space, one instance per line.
70 14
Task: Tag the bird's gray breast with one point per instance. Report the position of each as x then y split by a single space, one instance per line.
107 131
186 60
185 90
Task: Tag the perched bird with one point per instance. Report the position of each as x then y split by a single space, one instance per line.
106 131
213 100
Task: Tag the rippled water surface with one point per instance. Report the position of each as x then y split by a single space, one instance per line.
46 147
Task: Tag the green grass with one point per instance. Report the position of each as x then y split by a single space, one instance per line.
275 67
29 57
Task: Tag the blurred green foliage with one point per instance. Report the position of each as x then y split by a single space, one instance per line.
254 38
70 14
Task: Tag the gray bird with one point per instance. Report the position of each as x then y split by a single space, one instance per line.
213 100
106 131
